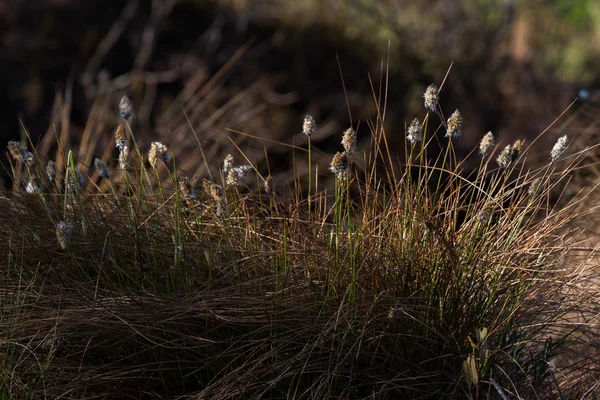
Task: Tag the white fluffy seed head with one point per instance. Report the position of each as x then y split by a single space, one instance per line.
415 132
349 141
487 144
454 125
309 125
126 109
431 97
559 148
158 153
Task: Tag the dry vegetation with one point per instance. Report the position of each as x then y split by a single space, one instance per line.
398 280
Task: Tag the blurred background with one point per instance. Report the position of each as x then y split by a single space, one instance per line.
197 71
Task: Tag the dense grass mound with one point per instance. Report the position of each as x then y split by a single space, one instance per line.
399 280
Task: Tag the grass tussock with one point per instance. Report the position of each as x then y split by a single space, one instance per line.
412 279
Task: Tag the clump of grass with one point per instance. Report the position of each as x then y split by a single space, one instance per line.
421 281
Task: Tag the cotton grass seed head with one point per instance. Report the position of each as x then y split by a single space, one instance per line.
19 152
120 137
454 125
74 180
559 148
32 186
268 184
534 188
516 150
63 233
309 126
415 133
124 158
158 153
51 171
213 190
504 159
349 141
126 109
487 144
235 175
15 149
431 97
186 190
510 154
484 215
227 164
340 165
101 168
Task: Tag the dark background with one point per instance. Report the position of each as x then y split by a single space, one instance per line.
259 66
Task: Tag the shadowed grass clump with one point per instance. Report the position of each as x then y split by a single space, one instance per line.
400 280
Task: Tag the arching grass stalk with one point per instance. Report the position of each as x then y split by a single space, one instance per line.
308 127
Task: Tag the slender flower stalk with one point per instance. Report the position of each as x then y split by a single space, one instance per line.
308 128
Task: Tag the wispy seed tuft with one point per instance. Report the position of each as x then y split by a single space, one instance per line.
487 144
120 137
227 164
158 153
213 190
309 126
74 180
559 148
454 125
63 233
415 132
340 165
349 141
19 152
186 190
509 155
51 171
32 186
101 168
268 184
126 109
235 175
124 158
432 97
